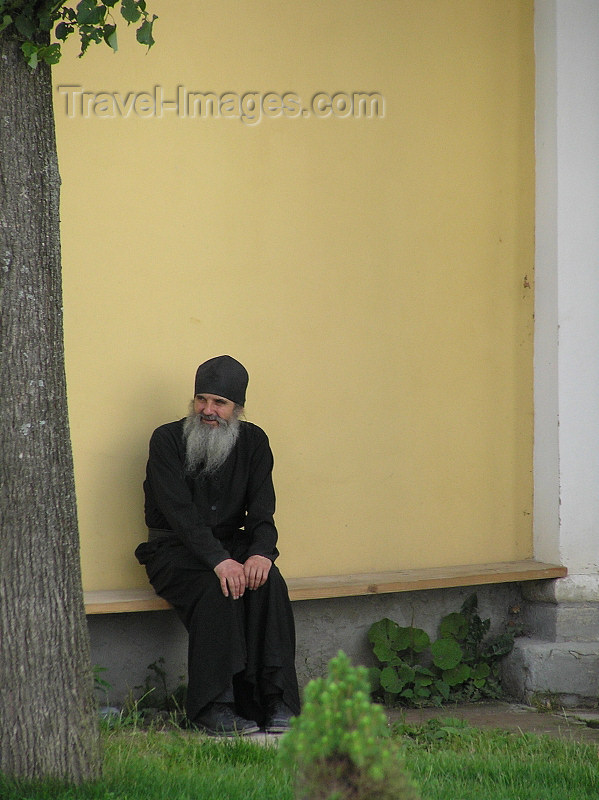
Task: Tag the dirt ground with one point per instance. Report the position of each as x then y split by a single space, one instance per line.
577 725
580 725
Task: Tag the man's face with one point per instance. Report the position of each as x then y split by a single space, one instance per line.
211 408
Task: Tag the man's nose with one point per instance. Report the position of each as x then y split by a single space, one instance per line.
210 409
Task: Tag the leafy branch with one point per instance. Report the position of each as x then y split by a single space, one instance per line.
32 22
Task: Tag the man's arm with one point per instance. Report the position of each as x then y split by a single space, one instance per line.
260 498
259 523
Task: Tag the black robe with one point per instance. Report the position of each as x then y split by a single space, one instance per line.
249 642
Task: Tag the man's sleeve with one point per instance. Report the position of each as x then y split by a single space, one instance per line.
259 523
166 477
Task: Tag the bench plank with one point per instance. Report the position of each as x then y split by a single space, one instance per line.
367 583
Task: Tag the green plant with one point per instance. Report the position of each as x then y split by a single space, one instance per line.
459 665
100 684
156 696
340 746
434 731
546 702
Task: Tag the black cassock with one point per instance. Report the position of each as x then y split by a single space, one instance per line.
195 523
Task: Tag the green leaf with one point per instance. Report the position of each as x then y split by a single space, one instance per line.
414 639
406 672
25 26
30 51
459 674
383 652
46 19
90 13
481 670
422 680
144 32
384 636
498 647
447 653
51 54
390 681
374 678
443 688
110 37
63 29
130 10
395 661
6 20
89 34
455 625
420 670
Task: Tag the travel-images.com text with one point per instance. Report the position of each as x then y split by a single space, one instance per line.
249 107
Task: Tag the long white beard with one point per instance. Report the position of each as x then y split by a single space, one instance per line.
206 445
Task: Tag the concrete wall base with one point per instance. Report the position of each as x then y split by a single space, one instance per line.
565 673
126 644
565 622
559 656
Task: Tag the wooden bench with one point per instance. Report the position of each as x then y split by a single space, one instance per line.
367 583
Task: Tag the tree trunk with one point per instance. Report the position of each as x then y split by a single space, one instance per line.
47 711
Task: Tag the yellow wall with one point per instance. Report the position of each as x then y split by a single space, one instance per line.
370 273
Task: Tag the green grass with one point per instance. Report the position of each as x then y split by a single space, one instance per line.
448 760
172 765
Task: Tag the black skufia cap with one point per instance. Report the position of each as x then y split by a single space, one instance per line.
223 376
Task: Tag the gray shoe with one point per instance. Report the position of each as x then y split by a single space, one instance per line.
219 719
278 718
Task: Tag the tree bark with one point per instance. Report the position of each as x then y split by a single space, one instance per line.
47 711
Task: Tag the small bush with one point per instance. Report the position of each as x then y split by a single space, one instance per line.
340 745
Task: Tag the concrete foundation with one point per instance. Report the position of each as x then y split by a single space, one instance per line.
559 656
126 644
567 673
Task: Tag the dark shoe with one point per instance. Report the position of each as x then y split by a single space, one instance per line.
278 717
219 719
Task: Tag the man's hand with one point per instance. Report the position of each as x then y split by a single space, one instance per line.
256 570
232 578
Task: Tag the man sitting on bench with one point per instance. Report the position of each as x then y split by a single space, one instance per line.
209 505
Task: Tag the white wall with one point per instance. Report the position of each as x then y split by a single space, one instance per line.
567 288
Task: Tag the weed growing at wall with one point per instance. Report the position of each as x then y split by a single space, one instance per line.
340 746
157 697
461 665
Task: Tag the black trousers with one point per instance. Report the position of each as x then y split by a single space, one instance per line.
247 643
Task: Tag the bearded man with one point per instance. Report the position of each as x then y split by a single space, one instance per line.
209 505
